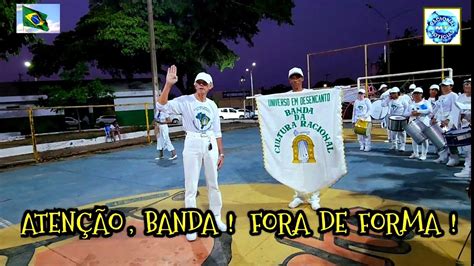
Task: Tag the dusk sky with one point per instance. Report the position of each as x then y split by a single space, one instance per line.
318 26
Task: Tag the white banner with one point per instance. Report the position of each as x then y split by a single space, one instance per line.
302 138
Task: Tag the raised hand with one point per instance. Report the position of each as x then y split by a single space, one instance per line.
171 77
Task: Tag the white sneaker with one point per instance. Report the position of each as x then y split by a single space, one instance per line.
221 225
314 201
367 148
414 156
159 158
191 237
453 161
173 157
393 147
440 160
402 148
463 173
361 148
295 203
422 157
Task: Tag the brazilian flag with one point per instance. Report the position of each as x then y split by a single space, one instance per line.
34 19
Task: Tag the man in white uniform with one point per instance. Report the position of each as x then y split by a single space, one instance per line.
442 114
465 121
434 91
164 141
419 109
203 143
362 109
385 94
296 78
398 107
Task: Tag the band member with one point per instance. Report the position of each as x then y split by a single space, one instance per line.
465 121
398 107
203 144
163 138
442 114
362 110
296 78
385 93
419 109
434 94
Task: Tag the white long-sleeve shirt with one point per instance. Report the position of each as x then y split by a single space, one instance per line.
198 117
424 108
362 109
396 107
458 122
444 106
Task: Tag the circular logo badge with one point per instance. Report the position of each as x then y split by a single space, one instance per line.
442 26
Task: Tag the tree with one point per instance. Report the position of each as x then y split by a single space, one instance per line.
190 33
10 41
74 90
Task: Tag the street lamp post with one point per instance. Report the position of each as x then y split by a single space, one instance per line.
250 70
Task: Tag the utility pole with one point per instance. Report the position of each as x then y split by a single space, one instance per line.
154 67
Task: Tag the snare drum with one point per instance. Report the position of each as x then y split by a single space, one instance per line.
378 112
397 123
458 138
362 127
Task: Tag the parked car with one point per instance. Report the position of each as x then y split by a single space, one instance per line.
255 114
245 113
71 122
105 120
228 113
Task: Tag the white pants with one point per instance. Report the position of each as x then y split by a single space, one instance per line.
302 195
398 138
164 141
467 162
423 148
195 154
364 140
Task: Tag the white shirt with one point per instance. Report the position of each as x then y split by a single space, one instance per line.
396 107
444 106
161 116
198 117
407 98
385 95
424 107
464 99
362 109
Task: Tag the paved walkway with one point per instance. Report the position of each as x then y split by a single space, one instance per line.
378 179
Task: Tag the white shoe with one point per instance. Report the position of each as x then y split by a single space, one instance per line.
402 148
159 158
453 161
463 173
422 157
191 237
314 201
361 148
393 147
221 225
173 157
367 148
414 156
295 203
440 160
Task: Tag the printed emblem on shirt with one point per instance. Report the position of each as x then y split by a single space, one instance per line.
202 118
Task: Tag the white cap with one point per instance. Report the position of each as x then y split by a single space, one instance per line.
418 89
447 82
434 87
394 90
412 87
203 76
467 81
295 70
383 86
361 91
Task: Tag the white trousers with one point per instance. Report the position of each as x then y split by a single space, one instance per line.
467 162
196 153
423 148
302 195
164 141
398 138
364 140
